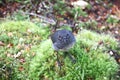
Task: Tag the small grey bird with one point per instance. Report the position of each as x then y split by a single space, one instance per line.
63 40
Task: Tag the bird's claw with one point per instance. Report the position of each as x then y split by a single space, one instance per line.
72 58
59 64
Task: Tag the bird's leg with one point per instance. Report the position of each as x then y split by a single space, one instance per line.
58 61
71 57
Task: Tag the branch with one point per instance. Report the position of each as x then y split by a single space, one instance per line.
45 19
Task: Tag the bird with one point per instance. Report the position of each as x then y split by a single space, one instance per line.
63 40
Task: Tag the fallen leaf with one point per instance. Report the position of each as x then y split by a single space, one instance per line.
100 42
17 55
10 34
33 54
119 60
22 60
21 68
1 43
27 48
19 46
9 55
9 45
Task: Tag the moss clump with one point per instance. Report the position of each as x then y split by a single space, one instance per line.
92 62
18 37
39 60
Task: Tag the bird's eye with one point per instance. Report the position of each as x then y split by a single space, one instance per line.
67 36
59 37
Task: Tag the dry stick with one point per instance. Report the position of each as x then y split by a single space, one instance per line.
45 19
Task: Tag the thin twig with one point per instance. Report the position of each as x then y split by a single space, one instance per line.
45 19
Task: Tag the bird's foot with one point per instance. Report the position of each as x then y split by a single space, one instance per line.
59 64
71 58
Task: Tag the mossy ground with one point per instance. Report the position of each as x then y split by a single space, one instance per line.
37 59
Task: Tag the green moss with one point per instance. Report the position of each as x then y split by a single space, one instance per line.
91 64
18 26
24 27
42 61
92 61
19 37
91 39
